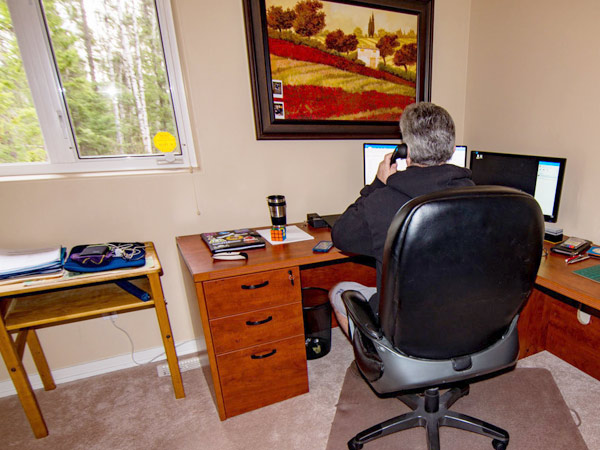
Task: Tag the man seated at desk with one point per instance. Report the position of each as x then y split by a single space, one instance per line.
428 131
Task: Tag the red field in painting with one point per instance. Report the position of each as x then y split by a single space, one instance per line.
290 50
319 103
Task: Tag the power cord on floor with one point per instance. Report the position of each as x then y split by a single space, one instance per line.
113 319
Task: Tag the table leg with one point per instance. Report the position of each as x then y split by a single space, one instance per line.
20 342
166 334
40 360
22 384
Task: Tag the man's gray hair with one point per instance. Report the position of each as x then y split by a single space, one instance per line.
429 132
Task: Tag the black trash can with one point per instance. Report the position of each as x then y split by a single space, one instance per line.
317 321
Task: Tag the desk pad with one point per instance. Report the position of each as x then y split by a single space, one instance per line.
592 273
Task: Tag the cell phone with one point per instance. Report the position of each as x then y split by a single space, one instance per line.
323 247
399 152
94 250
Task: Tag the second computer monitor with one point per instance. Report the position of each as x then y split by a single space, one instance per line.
373 154
539 176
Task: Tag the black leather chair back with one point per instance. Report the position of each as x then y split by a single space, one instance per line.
458 266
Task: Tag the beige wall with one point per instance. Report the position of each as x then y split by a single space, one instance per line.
229 190
533 88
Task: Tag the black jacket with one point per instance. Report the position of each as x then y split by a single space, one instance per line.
363 227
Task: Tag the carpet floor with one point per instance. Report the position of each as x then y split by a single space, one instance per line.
136 409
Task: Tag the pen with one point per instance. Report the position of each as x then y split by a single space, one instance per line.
579 259
571 258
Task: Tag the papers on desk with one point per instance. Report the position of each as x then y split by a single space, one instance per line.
293 234
27 263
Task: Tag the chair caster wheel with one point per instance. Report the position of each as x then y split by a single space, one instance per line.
353 445
499 445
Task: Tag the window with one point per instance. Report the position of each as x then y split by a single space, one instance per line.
89 85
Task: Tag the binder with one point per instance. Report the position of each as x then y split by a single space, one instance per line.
24 263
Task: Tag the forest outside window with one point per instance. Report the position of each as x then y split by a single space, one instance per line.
90 85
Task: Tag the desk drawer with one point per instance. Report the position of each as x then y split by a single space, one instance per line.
256 327
262 375
247 293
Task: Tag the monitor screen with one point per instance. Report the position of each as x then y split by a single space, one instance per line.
539 176
373 154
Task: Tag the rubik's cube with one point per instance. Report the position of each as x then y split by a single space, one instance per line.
278 233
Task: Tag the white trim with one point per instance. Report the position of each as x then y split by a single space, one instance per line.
175 78
93 368
30 31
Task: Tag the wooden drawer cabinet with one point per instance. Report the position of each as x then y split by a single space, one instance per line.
252 316
263 374
255 338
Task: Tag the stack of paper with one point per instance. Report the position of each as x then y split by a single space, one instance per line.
293 234
22 263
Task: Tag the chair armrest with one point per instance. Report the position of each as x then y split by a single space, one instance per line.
361 314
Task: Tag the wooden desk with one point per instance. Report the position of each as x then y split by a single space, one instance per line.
548 322
252 316
26 306
557 276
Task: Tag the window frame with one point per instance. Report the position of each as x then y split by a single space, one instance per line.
59 142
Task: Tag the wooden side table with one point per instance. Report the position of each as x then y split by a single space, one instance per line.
28 305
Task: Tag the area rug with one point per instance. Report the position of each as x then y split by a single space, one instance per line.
525 402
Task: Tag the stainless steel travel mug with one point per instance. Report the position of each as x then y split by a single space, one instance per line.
277 209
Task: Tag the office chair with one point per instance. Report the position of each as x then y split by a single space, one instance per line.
458 267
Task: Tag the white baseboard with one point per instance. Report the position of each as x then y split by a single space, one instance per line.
99 367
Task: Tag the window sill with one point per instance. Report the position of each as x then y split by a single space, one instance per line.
114 173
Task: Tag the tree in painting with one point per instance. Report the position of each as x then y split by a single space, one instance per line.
386 45
309 19
278 19
406 55
341 42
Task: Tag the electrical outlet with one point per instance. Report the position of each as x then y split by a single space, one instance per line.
184 366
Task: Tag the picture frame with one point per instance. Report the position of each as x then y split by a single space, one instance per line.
276 115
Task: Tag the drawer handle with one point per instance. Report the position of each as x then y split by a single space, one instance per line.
259 322
266 355
255 286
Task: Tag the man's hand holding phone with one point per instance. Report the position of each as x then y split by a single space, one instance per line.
386 168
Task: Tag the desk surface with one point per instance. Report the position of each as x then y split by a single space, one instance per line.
555 274
203 267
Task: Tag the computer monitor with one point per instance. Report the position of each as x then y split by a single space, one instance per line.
539 176
373 154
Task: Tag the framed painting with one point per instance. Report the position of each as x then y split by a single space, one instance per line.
337 69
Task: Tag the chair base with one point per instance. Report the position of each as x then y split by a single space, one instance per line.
430 410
